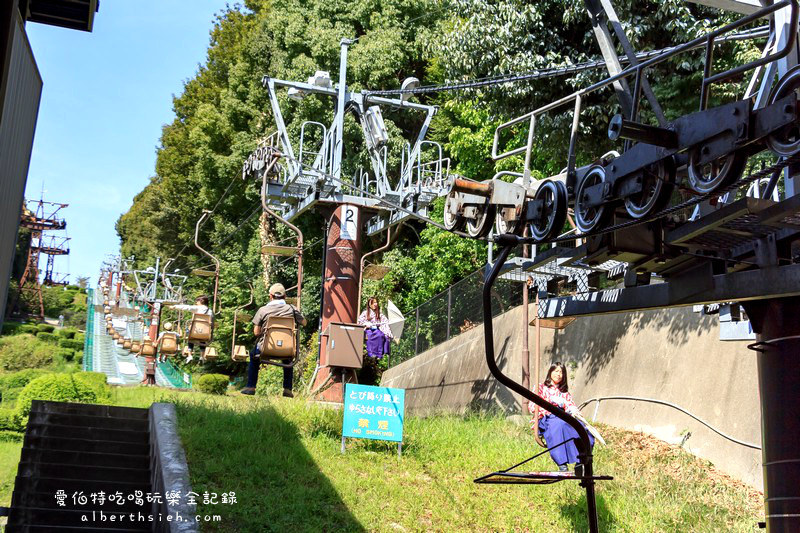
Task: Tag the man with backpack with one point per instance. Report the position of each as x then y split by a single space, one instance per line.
278 307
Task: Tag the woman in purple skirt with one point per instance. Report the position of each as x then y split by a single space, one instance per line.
555 390
377 334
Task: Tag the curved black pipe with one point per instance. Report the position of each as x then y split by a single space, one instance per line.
583 444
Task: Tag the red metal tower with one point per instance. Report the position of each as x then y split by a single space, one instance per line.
44 217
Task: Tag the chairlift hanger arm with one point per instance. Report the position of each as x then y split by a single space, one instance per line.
205 215
288 224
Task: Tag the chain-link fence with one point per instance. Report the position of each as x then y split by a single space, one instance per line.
452 312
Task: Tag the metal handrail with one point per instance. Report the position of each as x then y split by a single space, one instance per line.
637 71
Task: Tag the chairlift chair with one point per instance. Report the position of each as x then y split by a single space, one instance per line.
169 344
279 341
239 353
147 348
209 354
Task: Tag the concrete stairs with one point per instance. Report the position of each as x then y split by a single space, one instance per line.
82 449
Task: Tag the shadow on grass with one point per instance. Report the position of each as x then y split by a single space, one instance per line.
258 455
576 512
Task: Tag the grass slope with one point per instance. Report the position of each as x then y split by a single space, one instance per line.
282 460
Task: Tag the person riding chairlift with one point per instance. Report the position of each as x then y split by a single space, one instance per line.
555 390
378 336
166 333
200 307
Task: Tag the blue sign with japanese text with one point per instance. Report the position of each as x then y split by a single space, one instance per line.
373 412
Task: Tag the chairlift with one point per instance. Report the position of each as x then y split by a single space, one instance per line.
147 348
209 354
201 328
238 352
280 249
136 345
127 343
279 341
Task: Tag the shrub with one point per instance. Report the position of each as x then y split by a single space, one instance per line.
47 337
29 328
212 383
22 351
270 381
67 333
80 338
79 357
11 436
67 354
12 328
72 288
9 420
45 327
12 384
61 388
71 344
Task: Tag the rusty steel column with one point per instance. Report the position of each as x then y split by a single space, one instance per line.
153 330
340 303
778 354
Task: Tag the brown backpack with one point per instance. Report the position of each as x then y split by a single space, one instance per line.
279 337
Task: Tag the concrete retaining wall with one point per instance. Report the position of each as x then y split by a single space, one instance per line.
673 355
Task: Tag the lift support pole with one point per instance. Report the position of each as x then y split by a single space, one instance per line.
340 301
778 352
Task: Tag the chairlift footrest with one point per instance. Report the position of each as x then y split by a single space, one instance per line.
534 478
279 250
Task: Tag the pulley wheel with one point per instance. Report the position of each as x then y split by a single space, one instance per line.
553 195
588 218
502 226
786 140
452 222
480 227
708 177
658 180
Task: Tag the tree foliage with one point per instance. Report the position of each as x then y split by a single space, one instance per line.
223 112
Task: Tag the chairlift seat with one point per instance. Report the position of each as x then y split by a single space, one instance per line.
204 273
279 337
200 328
210 354
169 344
148 350
240 354
375 272
274 249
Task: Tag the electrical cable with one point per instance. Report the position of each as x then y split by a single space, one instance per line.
755 33
668 404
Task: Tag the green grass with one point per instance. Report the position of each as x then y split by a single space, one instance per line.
9 458
281 457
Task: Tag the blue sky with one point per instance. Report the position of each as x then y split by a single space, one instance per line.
105 97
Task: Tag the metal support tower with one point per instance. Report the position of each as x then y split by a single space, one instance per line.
43 217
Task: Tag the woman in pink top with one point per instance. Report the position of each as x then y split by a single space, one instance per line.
555 390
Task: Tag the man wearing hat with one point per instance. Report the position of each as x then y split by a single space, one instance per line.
277 306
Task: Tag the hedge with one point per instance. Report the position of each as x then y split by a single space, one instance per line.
45 327
67 333
67 354
62 388
47 337
23 351
72 344
212 383
29 328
